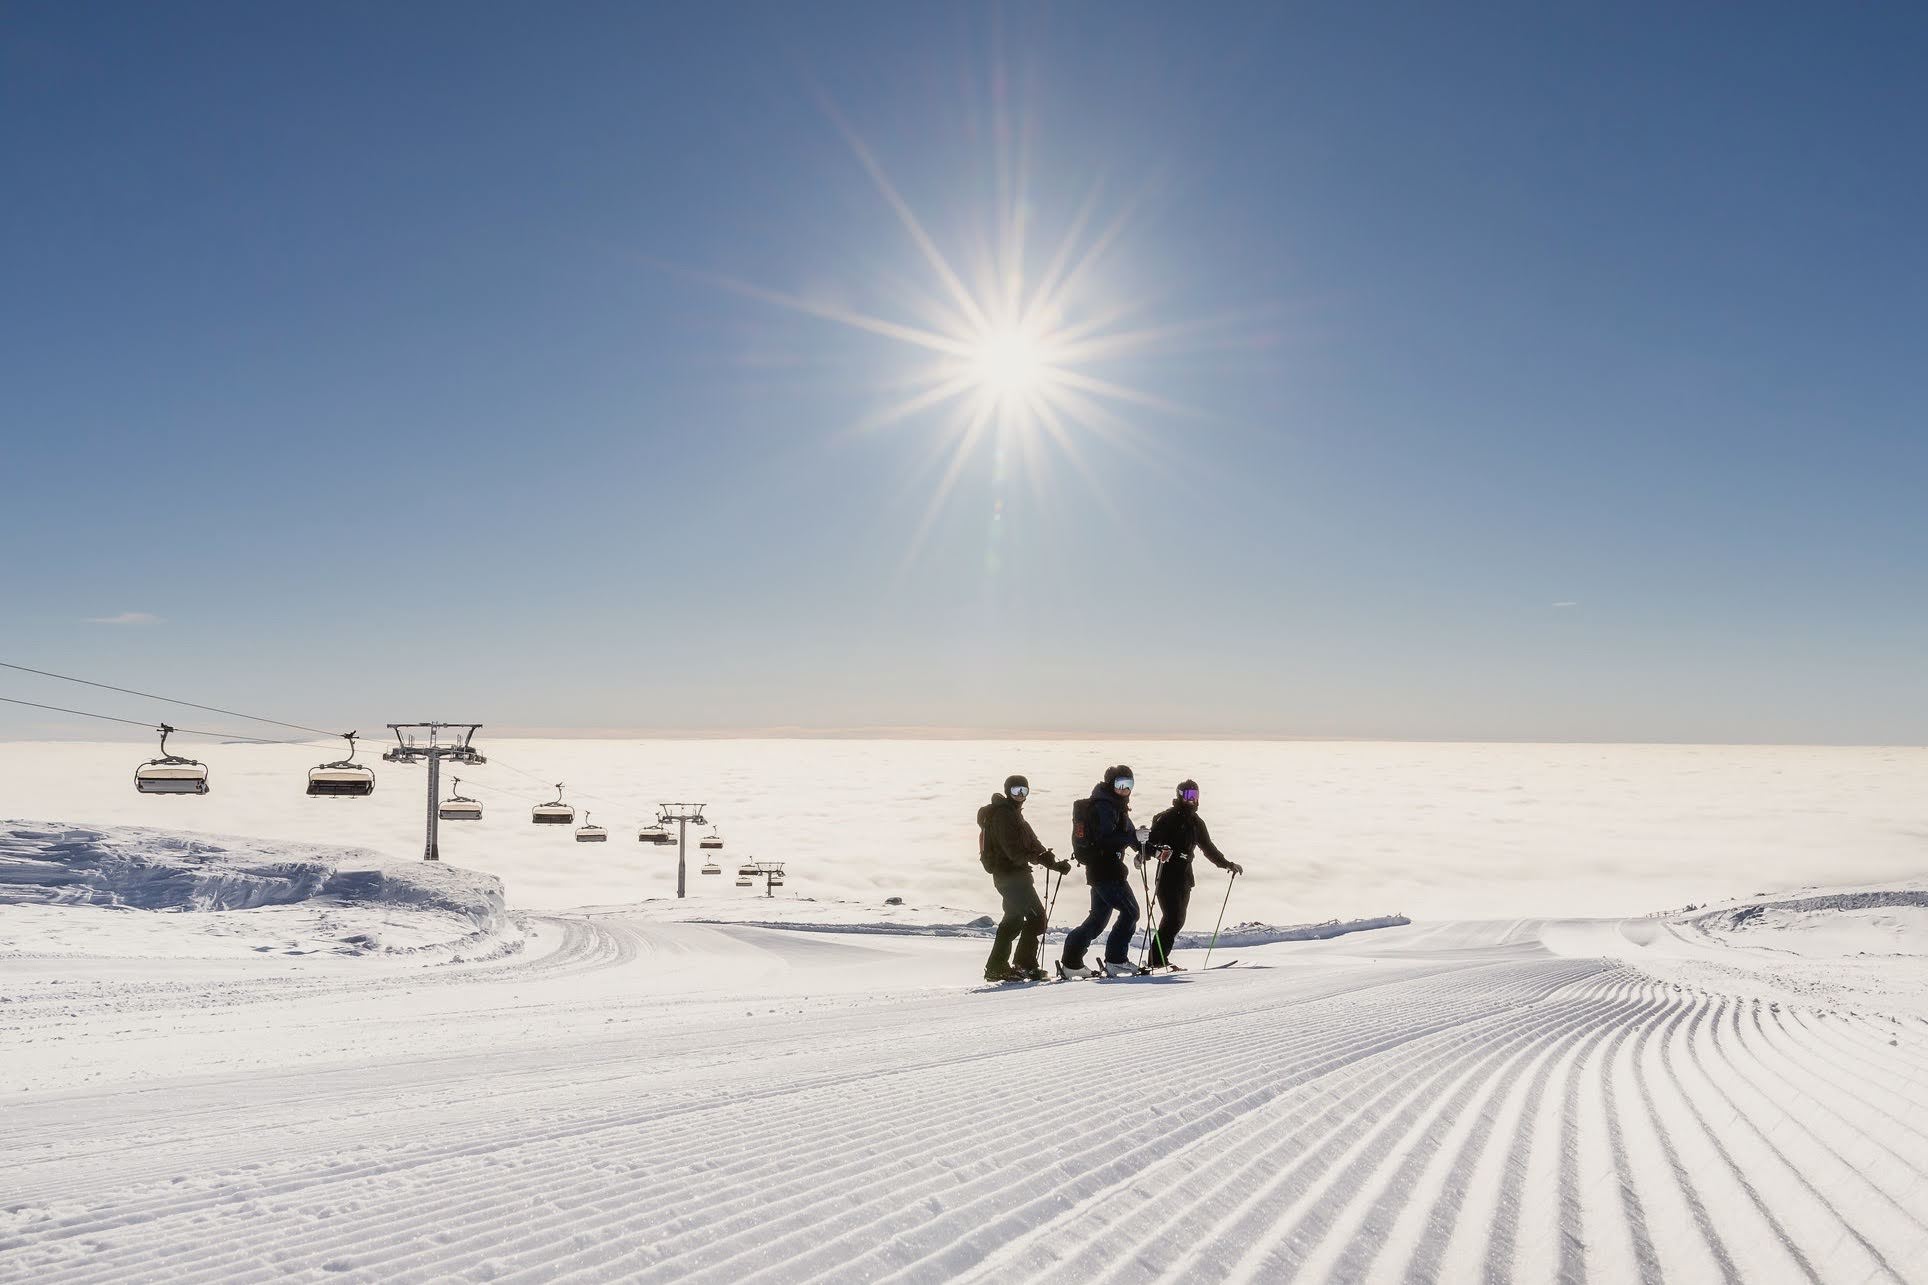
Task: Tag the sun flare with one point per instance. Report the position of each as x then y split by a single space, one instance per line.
1018 339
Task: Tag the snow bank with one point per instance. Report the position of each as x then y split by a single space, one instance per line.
230 890
1860 949
1264 934
1821 924
830 916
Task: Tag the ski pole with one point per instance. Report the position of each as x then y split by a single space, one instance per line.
1221 919
1050 905
1151 905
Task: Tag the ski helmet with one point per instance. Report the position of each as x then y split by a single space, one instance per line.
1113 775
1187 793
1016 787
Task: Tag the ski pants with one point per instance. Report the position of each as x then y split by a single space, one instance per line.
1023 921
1174 899
1106 896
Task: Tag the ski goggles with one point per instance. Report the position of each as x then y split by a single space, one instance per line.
1189 796
1123 783
1019 791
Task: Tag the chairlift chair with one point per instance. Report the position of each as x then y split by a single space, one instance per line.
457 808
711 868
655 834
586 833
170 773
557 813
747 870
744 881
712 842
342 779
776 881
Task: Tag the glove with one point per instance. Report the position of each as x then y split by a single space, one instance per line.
1062 867
1235 867
1162 852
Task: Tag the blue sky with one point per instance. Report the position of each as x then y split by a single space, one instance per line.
434 360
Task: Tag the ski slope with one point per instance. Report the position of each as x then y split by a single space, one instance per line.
635 1096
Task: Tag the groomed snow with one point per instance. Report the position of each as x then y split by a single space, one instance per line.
635 1096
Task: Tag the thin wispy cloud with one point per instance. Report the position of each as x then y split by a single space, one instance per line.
126 618
1566 604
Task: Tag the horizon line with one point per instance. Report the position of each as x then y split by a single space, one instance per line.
887 732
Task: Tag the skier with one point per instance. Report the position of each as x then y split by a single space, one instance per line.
1008 847
1175 832
1101 830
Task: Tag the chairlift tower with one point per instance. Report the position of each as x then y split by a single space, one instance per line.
416 742
771 872
685 815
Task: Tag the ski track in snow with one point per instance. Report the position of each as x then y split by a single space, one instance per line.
1456 1103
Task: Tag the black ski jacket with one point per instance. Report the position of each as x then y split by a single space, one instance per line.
1181 829
1112 834
1010 845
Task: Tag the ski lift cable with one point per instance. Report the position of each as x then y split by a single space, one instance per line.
261 740
496 760
236 736
134 722
169 700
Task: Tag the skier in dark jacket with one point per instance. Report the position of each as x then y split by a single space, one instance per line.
1008 849
1175 833
1102 853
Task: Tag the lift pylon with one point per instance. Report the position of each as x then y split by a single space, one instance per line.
431 743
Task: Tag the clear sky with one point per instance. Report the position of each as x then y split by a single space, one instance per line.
1409 371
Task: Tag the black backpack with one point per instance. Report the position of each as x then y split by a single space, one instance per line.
1084 830
984 839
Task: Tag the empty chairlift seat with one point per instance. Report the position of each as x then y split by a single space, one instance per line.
712 842
557 813
457 808
170 773
744 881
747 870
586 833
343 779
711 868
655 834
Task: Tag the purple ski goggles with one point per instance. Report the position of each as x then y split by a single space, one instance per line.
1190 795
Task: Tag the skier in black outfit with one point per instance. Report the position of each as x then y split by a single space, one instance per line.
1008 847
1102 853
1175 832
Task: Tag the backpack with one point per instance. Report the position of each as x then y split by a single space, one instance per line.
1084 831
984 839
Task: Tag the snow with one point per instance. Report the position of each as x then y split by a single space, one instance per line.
1325 830
251 896
282 1058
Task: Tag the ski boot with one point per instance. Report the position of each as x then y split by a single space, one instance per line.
1126 969
1033 974
1073 974
1006 973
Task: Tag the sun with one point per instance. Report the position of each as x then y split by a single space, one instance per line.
1011 346
1008 364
